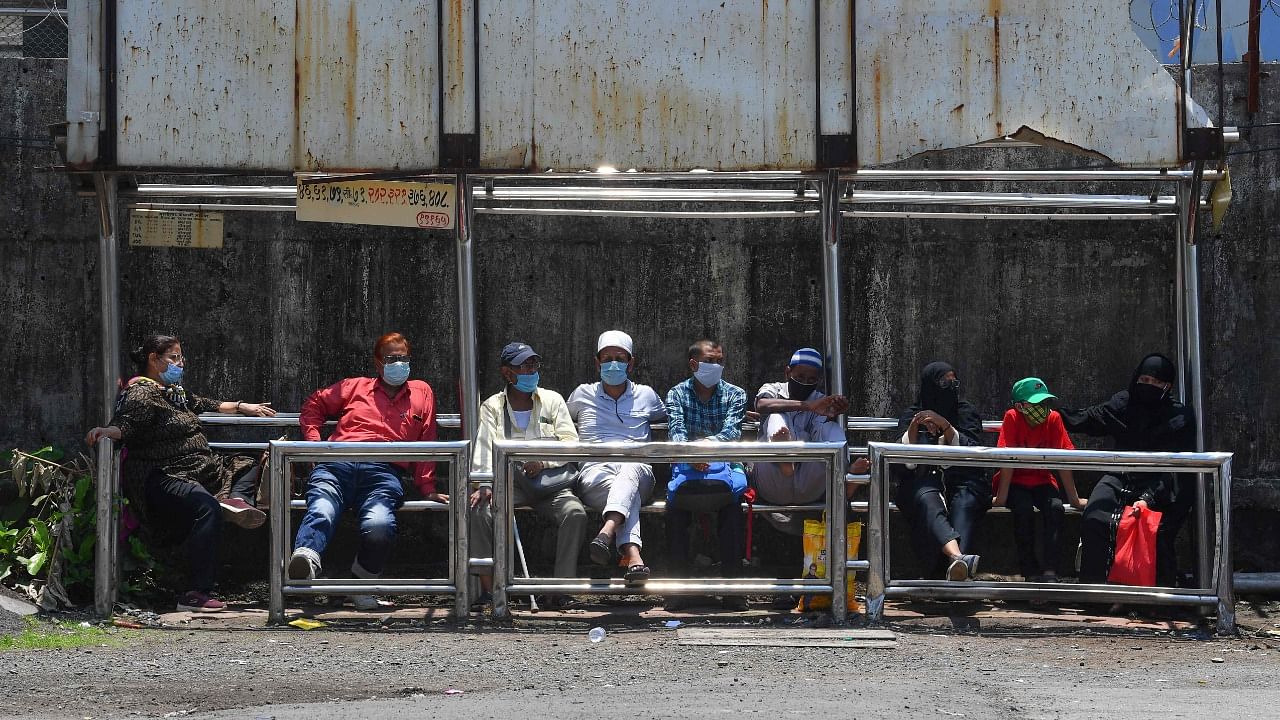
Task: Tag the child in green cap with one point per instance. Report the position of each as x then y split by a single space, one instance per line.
1031 423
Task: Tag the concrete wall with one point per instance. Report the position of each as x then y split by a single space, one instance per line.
286 307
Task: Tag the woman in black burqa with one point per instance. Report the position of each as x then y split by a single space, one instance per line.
1143 417
944 505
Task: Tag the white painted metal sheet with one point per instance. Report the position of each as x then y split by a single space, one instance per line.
936 74
203 84
367 85
284 85
671 85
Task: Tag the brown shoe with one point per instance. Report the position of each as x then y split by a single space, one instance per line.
239 512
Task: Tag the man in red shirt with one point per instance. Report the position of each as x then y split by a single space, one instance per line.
387 407
1030 423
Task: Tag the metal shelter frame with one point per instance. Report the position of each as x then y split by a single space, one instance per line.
820 191
830 195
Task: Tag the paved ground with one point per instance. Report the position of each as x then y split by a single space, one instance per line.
1011 662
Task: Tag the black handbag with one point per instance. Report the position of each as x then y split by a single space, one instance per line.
545 484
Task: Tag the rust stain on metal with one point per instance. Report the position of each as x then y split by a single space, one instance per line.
301 63
997 108
875 94
350 66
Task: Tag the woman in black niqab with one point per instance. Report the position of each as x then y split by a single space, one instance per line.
1143 416
943 504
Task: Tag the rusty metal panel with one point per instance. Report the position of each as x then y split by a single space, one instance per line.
285 85
571 84
84 81
200 84
367 85
936 74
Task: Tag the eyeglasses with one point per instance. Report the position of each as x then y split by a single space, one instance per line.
527 366
175 359
395 359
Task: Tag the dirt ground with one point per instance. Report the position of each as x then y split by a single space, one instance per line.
971 660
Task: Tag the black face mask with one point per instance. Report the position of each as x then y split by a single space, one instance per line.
797 390
1145 394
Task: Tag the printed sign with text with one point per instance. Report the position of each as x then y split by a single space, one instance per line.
378 202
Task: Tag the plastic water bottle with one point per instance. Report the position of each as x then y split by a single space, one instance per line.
596 635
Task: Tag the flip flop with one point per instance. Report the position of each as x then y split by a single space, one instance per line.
601 550
637 574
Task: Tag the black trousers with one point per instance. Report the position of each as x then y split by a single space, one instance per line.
1102 517
730 529
942 505
186 511
1023 501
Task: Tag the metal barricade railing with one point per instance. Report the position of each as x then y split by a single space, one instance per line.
1214 560
106 551
284 453
832 455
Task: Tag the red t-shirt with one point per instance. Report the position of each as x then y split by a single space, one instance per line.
366 414
1016 432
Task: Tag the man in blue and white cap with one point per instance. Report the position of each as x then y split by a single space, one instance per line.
797 410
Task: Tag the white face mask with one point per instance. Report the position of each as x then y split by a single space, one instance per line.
708 374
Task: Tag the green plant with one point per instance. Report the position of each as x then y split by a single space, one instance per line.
48 539
38 635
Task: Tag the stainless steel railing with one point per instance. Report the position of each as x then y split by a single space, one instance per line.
286 452
832 455
1213 554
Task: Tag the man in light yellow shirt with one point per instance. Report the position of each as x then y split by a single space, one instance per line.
524 411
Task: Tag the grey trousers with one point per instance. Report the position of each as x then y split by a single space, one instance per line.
564 510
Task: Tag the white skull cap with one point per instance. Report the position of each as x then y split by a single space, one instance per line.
614 338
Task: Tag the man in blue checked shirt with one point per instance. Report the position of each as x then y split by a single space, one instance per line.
706 408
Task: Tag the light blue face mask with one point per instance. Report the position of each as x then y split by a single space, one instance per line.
709 374
395 373
172 375
613 373
526 383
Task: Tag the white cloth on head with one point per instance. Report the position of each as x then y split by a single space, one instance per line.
614 338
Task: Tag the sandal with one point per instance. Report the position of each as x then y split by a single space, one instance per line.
637 574
601 550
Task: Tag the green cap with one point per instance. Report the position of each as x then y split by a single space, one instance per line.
1032 390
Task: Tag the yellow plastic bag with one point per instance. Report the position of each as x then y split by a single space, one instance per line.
815 564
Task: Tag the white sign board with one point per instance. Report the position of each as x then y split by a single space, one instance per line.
175 228
378 202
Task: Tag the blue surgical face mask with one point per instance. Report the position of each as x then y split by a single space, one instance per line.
172 375
613 373
395 373
526 383
708 374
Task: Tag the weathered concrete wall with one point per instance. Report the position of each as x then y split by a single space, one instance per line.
286 307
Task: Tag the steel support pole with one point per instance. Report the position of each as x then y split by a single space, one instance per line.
502 529
459 542
466 309
106 568
877 514
837 540
1225 585
109 284
834 347
278 554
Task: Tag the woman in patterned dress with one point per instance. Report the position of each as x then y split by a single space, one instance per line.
170 473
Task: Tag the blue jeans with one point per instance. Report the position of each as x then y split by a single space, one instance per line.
372 488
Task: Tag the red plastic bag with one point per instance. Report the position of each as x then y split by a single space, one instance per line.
1135 561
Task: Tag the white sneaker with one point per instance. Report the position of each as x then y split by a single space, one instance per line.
366 603
304 564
